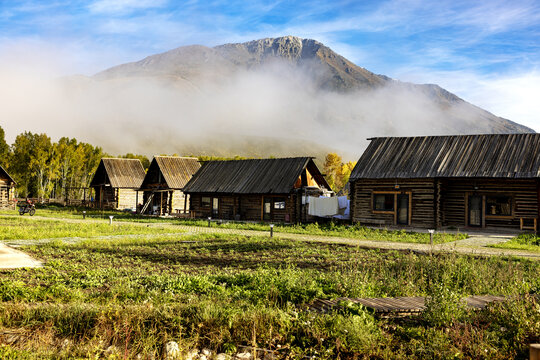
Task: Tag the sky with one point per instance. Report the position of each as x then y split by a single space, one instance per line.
486 52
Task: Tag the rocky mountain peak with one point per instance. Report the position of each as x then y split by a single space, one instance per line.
287 47
194 67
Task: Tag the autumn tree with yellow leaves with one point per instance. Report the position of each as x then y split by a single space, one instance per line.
337 172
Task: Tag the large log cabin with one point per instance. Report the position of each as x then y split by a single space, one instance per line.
7 189
116 182
256 190
163 184
481 181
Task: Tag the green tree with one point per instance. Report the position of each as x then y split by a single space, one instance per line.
20 163
4 150
42 164
144 160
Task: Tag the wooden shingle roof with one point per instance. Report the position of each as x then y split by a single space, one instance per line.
485 156
120 173
5 175
255 176
176 170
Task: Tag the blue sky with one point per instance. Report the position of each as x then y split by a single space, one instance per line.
487 52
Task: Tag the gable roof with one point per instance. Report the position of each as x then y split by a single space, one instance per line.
176 170
493 156
121 173
4 174
254 176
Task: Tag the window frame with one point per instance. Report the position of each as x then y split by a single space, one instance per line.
279 200
393 212
488 215
378 193
204 204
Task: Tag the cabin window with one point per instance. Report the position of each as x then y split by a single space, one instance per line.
383 202
279 203
498 205
205 201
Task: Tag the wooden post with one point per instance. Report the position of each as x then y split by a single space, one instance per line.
185 202
534 352
161 203
395 208
466 209
483 211
136 201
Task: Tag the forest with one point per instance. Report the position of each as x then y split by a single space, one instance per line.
44 168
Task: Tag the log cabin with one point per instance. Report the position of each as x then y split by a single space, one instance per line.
476 181
7 189
255 190
116 182
163 184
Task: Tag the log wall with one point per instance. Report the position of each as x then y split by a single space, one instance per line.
443 202
178 201
454 194
422 200
5 195
243 207
127 199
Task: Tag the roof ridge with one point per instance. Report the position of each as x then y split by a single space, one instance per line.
455 135
176 157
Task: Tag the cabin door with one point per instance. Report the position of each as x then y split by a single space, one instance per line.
475 210
403 209
215 208
267 209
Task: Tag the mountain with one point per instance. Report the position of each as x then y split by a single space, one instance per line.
279 95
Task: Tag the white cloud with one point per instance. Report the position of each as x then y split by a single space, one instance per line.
512 96
120 7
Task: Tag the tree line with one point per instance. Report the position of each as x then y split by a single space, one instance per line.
46 169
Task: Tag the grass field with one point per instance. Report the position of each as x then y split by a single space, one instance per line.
226 291
20 227
529 242
326 229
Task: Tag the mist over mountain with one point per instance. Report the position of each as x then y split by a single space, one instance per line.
283 96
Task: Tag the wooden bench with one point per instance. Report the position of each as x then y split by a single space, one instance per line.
528 226
371 221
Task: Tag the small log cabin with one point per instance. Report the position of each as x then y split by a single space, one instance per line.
257 190
163 184
483 181
116 182
7 189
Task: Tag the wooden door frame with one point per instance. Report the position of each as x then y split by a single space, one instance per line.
482 209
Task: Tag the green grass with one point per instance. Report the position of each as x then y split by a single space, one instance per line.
224 291
338 230
529 242
20 227
326 229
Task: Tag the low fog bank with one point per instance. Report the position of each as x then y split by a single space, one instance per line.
274 110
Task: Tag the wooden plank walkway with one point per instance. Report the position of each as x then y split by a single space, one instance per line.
400 306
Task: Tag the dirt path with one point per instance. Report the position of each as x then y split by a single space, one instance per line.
11 259
476 244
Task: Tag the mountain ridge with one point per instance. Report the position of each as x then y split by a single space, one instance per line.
331 71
